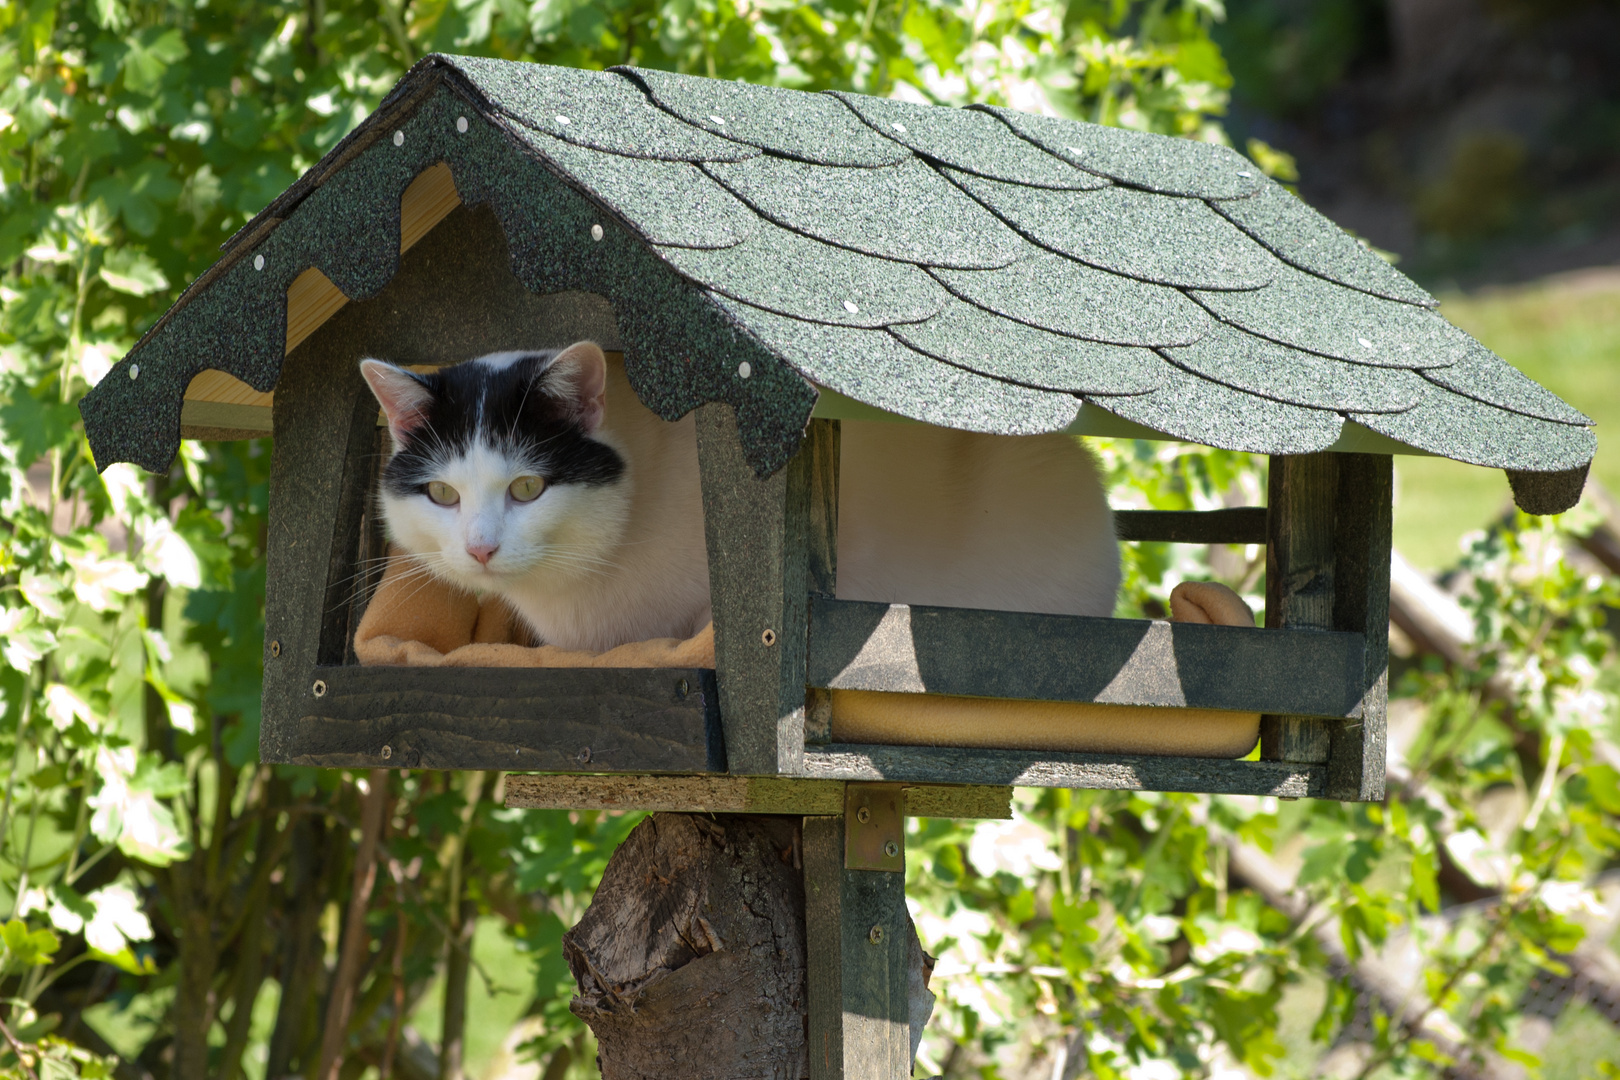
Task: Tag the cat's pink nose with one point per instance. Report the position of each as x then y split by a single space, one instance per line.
483 552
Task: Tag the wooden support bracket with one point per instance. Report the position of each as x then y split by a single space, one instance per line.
875 827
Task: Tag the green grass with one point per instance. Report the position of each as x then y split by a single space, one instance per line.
1564 332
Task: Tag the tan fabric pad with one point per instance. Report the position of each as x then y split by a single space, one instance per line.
416 620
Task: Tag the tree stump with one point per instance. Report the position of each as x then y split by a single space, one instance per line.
691 958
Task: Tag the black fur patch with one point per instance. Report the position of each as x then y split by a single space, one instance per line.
510 410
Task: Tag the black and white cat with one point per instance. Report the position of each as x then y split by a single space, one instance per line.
539 476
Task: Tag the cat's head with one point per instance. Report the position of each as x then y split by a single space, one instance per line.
500 467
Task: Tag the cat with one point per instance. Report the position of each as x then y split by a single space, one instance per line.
539 476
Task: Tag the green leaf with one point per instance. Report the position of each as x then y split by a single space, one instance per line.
1426 879
35 428
149 56
131 270
30 948
110 15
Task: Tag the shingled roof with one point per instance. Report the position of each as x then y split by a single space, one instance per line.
975 268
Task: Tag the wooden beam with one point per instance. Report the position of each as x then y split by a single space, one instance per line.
741 795
1107 772
1235 525
608 720
758 544
856 645
823 444
1302 501
857 933
1364 516
312 532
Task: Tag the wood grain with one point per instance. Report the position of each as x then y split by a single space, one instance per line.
1364 515
605 720
857 931
740 795
1235 525
856 645
757 536
1108 772
1302 504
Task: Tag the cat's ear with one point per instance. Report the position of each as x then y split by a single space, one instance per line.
577 376
404 397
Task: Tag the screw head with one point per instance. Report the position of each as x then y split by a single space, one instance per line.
563 119
275 648
901 128
399 138
134 372
319 689
719 120
891 849
682 689
852 307
258 262
387 752
744 370
584 756
596 232
875 935
863 815
461 124
768 637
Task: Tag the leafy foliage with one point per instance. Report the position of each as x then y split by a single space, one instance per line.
155 878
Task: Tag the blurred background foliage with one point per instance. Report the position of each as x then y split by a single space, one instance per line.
169 907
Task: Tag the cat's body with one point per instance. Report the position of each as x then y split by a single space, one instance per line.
609 546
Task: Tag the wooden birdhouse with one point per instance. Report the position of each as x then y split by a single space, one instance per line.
780 262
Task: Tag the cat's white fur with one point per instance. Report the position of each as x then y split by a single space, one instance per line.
926 515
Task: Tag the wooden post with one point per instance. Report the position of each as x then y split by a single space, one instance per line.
1327 568
1302 503
1361 603
761 535
858 936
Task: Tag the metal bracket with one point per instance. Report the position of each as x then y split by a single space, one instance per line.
874 827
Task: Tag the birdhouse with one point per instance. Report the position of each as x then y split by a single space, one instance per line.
781 263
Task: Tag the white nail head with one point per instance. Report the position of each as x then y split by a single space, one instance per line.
461 124
852 307
1365 344
901 128
744 370
719 120
258 262
561 119
134 372
596 232
1246 175
399 138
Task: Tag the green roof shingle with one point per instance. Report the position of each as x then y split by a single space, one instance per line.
872 248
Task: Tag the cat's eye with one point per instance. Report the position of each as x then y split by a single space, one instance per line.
442 493
527 488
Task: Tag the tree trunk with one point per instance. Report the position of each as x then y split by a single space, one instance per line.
691 958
